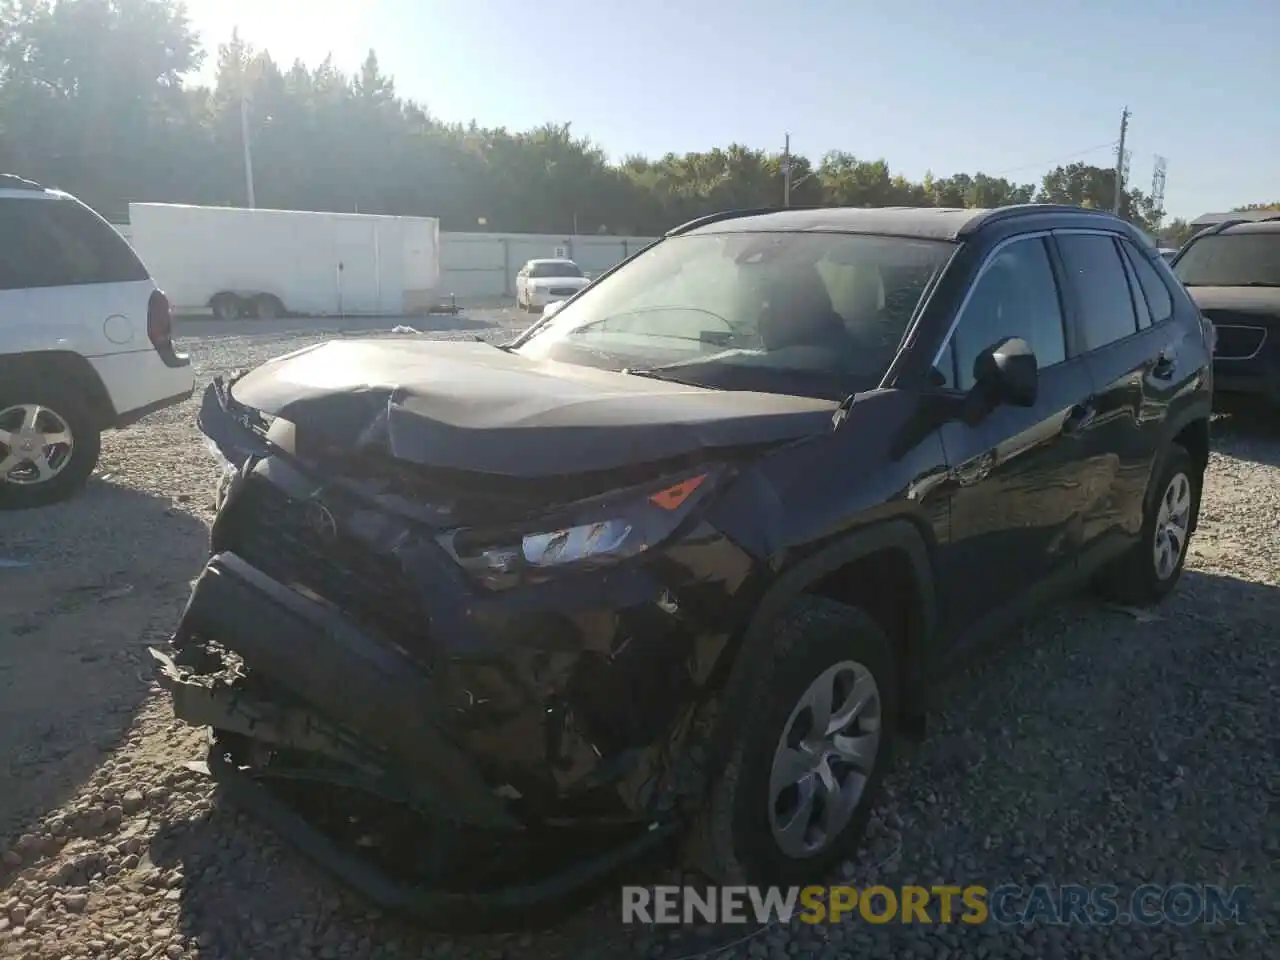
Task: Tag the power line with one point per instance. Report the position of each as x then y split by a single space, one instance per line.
1109 145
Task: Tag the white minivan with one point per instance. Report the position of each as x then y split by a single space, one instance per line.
86 342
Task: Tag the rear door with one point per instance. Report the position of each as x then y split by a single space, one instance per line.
1015 474
1122 312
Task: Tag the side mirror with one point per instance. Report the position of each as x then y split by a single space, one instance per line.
551 309
1008 373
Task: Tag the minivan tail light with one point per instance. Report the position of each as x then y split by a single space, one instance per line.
160 321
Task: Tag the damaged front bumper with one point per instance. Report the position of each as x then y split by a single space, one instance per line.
266 735
552 724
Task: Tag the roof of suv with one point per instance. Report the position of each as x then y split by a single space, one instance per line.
1255 226
924 223
1245 216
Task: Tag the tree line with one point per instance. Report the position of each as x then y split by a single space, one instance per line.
93 100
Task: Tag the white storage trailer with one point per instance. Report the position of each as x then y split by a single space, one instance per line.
240 262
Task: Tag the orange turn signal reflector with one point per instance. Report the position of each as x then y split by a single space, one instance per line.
672 497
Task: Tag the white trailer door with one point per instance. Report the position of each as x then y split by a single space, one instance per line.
356 266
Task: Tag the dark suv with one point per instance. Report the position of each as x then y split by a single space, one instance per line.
1232 271
483 623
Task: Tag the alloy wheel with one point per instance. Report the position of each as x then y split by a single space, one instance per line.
1173 523
36 444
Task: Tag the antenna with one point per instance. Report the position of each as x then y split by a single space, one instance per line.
1158 176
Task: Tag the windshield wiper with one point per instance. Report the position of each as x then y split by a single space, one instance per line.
660 373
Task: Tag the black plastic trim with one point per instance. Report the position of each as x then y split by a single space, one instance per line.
480 911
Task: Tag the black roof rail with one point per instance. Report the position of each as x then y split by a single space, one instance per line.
1031 209
1227 225
1214 229
11 181
725 215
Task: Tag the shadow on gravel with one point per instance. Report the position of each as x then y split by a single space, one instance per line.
1247 431
432 323
101 577
1104 746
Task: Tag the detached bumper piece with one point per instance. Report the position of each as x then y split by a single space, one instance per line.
329 736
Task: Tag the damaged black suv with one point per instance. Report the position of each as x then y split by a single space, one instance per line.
482 623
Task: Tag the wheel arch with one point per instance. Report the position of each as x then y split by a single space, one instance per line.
63 367
885 569
1190 431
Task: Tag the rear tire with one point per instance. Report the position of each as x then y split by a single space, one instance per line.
227 306
23 454
755 828
267 307
1151 568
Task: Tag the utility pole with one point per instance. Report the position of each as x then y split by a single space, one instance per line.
1124 129
786 171
248 151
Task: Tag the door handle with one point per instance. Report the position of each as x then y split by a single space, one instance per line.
1166 364
1079 418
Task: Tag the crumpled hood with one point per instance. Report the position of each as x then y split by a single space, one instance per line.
1260 300
472 406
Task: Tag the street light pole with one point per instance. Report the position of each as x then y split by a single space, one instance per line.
786 171
248 150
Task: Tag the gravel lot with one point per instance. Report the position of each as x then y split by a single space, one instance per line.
1101 747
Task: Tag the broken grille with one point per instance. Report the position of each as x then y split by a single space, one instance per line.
273 532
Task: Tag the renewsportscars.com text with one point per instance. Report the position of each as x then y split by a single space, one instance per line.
1148 905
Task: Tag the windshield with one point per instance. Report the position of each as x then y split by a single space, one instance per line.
560 268
1231 260
817 314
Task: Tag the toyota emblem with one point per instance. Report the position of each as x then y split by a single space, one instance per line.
321 521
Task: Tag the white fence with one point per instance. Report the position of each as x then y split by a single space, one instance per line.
480 266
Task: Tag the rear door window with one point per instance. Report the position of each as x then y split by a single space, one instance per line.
1097 275
61 242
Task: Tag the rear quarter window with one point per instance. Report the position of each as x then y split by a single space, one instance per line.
61 242
1151 286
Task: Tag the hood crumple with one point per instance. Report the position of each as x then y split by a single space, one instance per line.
471 406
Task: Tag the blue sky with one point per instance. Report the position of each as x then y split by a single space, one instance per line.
999 86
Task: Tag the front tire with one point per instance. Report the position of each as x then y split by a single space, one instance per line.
49 445
808 725
1152 567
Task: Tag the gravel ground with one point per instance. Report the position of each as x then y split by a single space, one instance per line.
1102 747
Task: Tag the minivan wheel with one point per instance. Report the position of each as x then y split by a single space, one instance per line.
49 446
810 718
1151 568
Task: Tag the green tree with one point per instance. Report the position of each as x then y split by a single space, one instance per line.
1082 185
1176 232
92 99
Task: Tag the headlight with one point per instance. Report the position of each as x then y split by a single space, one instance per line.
596 532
